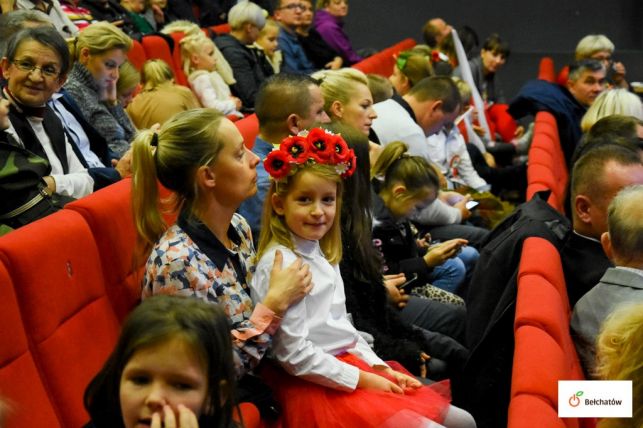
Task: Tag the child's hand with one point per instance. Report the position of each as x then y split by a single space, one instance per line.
369 380
424 242
443 252
396 295
287 286
462 206
4 114
187 418
237 102
403 380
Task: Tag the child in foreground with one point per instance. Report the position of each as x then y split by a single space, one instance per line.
172 367
335 379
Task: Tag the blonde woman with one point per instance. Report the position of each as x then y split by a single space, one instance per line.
98 52
160 98
615 101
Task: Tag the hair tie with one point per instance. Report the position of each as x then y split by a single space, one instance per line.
155 140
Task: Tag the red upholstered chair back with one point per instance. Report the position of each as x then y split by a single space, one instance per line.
109 215
67 316
544 351
157 47
136 55
221 28
546 69
181 78
20 383
249 128
382 62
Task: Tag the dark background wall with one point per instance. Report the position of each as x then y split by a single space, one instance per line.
533 29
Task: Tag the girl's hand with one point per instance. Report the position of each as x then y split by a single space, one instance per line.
396 295
237 102
424 358
489 159
403 380
187 418
369 380
287 286
443 252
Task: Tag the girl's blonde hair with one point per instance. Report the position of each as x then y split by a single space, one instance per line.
155 72
99 38
190 45
183 144
619 349
395 166
270 23
274 228
463 88
128 77
339 85
181 26
613 101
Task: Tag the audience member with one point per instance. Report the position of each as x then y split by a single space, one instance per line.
54 11
410 67
596 178
47 172
331 374
246 20
406 328
112 11
199 64
329 23
568 104
381 88
97 53
129 80
16 20
289 15
404 184
267 42
172 366
208 254
435 31
286 105
623 244
316 48
613 101
158 90
611 129
599 47
619 349
80 16
141 16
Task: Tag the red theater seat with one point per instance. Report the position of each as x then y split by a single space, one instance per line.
68 319
249 128
546 69
20 383
136 55
181 78
382 62
157 47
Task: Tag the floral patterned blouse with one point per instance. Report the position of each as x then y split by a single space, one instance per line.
189 260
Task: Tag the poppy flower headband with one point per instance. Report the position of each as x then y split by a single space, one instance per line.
317 146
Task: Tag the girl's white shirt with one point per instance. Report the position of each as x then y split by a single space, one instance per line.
316 329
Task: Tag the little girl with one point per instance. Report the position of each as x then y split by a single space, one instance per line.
267 42
336 379
172 367
200 65
406 184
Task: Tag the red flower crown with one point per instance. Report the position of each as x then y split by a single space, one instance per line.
317 146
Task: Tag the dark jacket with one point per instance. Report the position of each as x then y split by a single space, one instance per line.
111 11
397 243
539 95
317 50
246 68
485 383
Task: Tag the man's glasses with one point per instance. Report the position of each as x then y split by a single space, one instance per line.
293 6
48 71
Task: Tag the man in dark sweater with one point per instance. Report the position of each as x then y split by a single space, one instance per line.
597 177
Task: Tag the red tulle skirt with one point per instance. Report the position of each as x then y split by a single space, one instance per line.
306 404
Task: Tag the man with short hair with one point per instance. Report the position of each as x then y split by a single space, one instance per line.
434 31
286 105
289 15
623 284
596 178
567 103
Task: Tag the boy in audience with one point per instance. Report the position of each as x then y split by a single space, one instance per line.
623 244
286 105
596 178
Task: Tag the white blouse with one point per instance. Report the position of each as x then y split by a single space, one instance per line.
316 329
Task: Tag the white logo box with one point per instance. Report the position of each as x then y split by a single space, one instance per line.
595 399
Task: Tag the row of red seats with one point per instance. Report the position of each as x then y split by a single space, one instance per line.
547 168
66 283
544 350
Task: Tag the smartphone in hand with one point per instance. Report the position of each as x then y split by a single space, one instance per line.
471 205
410 284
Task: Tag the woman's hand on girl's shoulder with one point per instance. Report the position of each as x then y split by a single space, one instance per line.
186 418
287 285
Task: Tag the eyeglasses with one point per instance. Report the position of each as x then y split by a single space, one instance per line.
294 6
48 71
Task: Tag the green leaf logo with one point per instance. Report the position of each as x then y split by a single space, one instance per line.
579 393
